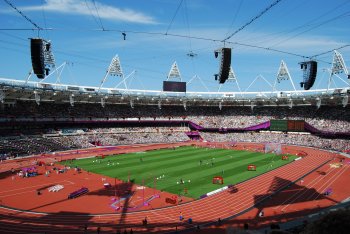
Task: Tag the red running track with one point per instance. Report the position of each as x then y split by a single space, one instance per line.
222 205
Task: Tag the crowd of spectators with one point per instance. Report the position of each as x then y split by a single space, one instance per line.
14 147
329 118
78 138
37 139
290 139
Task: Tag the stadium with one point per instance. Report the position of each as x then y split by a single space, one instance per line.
192 155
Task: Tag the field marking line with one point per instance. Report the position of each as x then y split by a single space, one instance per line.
332 179
7 191
315 187
171 219
69 182
304 189
20 193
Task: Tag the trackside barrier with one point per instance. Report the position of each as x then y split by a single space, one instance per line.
78 193
215 191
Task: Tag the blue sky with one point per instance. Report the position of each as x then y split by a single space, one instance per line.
300 27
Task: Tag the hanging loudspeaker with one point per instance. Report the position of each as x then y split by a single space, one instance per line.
225 64
37 54
309 76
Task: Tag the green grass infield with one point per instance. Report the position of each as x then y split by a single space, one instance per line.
195 167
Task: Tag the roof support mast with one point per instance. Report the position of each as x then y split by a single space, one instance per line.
338 66
114 69
232 78
283 74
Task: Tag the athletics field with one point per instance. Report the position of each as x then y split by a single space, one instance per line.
195 167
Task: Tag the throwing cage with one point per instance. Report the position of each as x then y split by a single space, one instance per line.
251 167
275 148
218 180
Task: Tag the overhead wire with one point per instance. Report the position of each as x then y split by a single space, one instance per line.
24 29
330 51
44 17
98 14
188 36
172 20
346 14
191 54
266 36
22 14
234 17
93 16
269 49
309 23
13 36
192 37
252 20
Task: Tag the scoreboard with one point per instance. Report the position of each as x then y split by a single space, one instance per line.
287 125
296 125
174 86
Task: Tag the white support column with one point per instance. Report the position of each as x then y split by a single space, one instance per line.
283 74
37 98
233 78
174 73
338 66
28 77
2 96
345 100
71 99
114 69
195 77
57 71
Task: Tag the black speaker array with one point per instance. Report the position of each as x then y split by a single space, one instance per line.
225 64
37 54
310 72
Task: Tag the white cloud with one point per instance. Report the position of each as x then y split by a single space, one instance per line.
82 8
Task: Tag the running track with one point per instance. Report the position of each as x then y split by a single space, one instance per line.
224 205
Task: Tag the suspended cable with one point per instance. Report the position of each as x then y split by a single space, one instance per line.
98 15
21 13
330 51
346 14
93 16
266 48
24 29
252 20
309 23
172 20
13 36
192 37
234 17
188 26
44 16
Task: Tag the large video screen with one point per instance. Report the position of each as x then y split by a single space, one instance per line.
278 125
296 125
287 125
174 86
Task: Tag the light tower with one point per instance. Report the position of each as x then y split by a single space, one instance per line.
338 66
114 69
283 74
